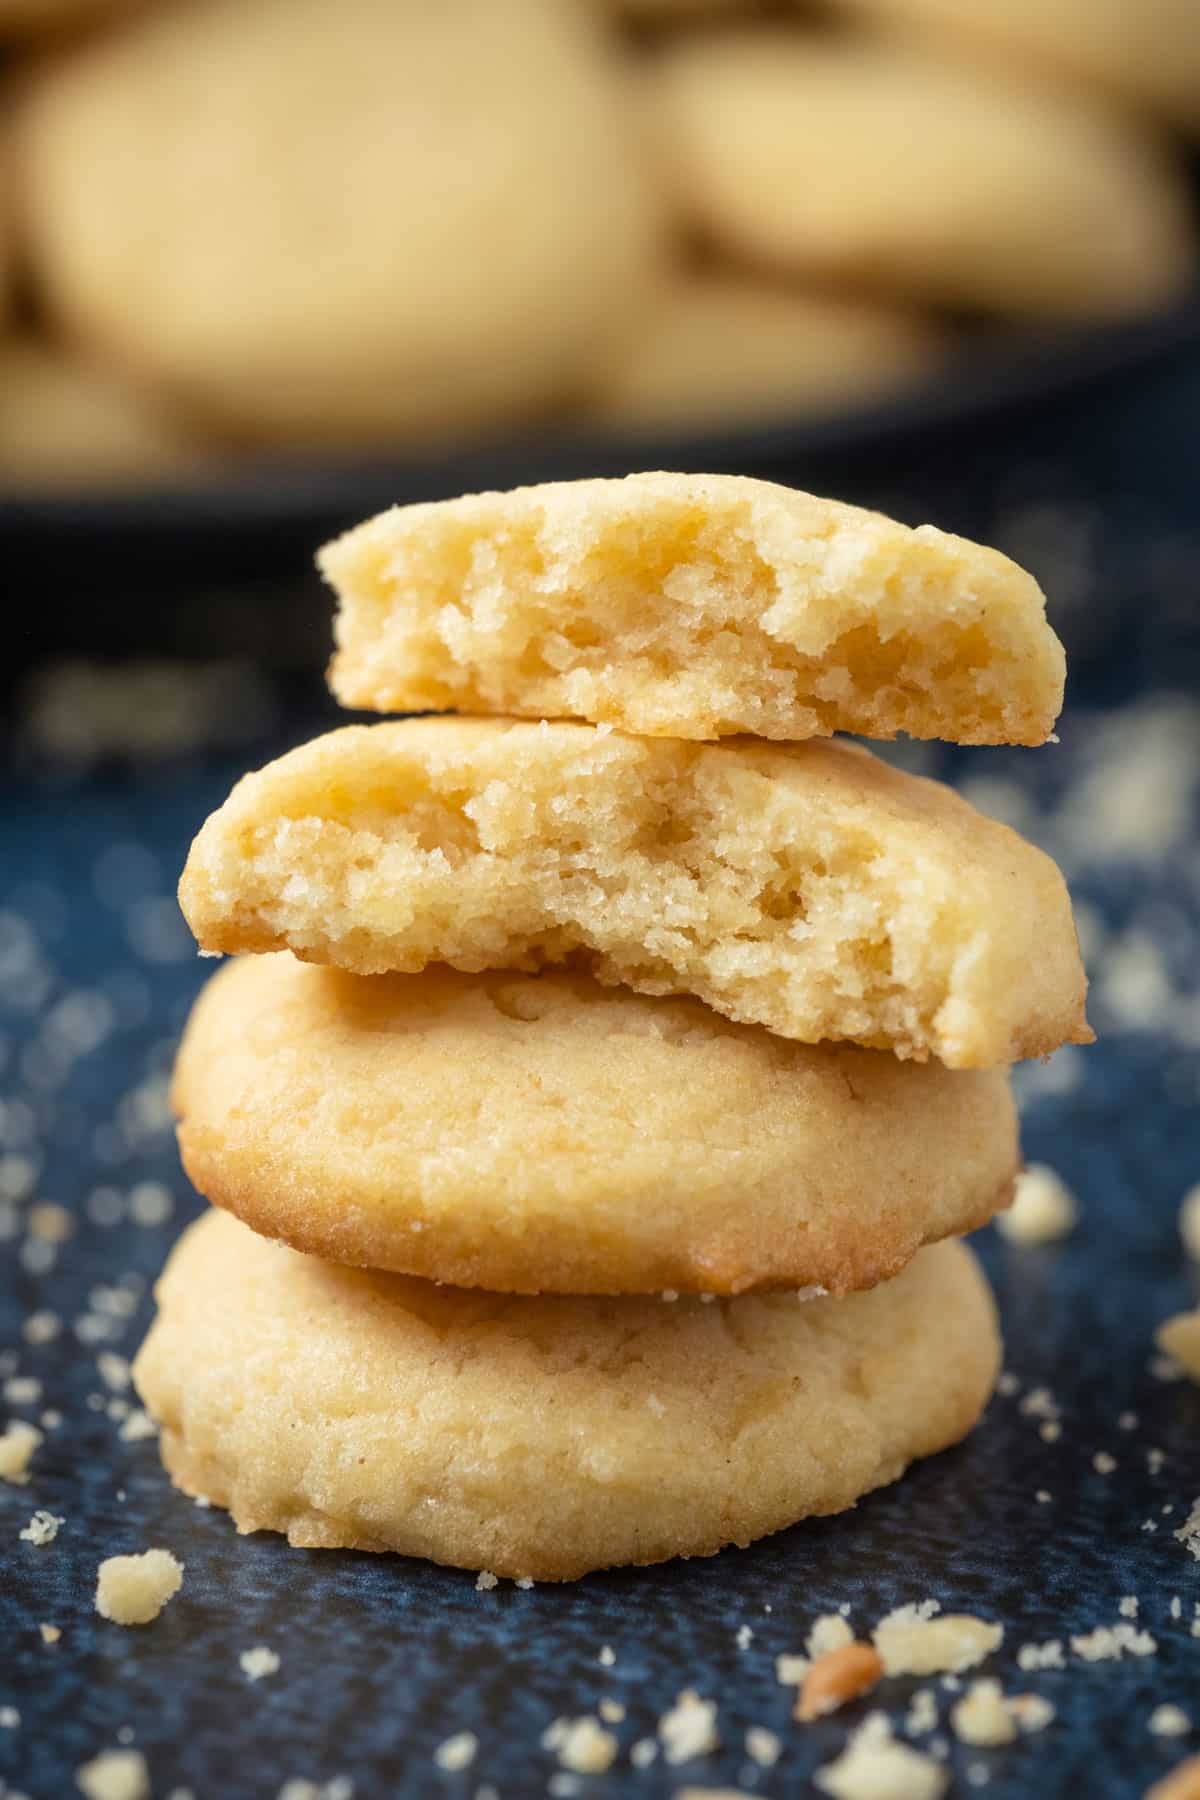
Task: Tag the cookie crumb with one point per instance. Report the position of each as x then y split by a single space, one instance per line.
115 1775
689 1728
259 1661
17 1445
137 1426
50 1633
457 1752
42 1529
643 1753
912 1641
10 1718
743 1637
763 1746
1127 1606
1042 1656
1169 1721
982 1717
1108 1643
922 1715
873 1764
581 1745
1043 1209
790 1670
611 1711
132 1590
1103 1463
837 1677
485 1581
1179 1338
607 1656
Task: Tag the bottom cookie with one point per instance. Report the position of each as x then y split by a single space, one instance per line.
546 1436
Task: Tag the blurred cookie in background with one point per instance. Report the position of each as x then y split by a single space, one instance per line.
1144 51
875 163
342 225
722 349
66 422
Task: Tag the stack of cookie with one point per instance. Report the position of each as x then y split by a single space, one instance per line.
594 1105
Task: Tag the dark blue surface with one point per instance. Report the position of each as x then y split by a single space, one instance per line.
382 1659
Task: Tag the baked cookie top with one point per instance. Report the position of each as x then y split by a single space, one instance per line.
545 1437
541 1133
691 606
809 887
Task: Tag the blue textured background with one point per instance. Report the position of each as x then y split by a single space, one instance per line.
382 1659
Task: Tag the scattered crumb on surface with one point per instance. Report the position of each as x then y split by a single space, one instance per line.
763 1746
922 1715
837 1677
1127 1606
611 1711
743 1637
115 1775
1169 1721
137 1426
132 1590
10 1718
259 1661
1179 1338
485 1581
790 1670
1104 1463
981 1716
1032 1712
689 1728
1043 1208
17 1445
50 1634
643 1753
581 1745
873 1766
1042 1656
42 1529
457 1752
607 1656
1108 1643
913 1641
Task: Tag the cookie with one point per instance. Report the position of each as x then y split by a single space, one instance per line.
66 422
545 1437
1148 53
346 223
723 350
691 606
873 162
810 887
536 1133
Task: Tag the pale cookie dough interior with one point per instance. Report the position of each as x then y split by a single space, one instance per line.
541 1133
691 606
811 889
545 1437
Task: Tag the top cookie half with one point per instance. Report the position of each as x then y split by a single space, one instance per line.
693 606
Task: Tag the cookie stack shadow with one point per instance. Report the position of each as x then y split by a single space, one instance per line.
607 1071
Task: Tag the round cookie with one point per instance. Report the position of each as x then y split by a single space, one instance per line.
692 606
545 1437
342 223
541 1133
722 350
1144 51
808 887
871 162
65 422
